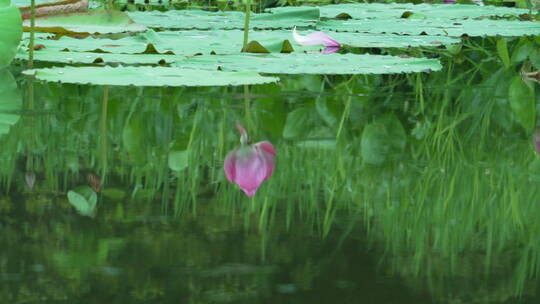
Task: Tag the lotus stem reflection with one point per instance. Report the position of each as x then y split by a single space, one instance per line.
250 164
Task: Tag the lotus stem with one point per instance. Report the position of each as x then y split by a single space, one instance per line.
31 52
103 132
344 116
247 109
32 29
246 25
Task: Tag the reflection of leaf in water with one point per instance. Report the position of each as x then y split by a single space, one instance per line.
522 102
178 160
382 140
84 199
10 32
10 102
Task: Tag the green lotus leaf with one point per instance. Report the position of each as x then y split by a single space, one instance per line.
226 42
10 101
99 58
45 55
314 63
147 76
193 42
95 22
21 3
10 32
397 10
171 4
204 20
442 27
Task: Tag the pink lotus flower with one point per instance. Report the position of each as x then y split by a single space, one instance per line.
250 165
317 38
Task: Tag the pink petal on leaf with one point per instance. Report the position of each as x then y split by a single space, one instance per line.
315 38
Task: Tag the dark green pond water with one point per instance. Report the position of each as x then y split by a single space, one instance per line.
409 188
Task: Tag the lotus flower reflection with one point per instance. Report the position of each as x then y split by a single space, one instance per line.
317 38
250 165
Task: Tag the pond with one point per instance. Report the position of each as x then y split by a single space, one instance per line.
406 166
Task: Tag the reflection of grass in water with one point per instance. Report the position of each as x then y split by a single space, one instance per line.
454 212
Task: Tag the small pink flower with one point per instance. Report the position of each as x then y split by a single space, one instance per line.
315 38
250 165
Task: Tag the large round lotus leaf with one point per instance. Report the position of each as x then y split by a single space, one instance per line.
226 42
45 55
10 32
204 20
314 63
95 22
443 27
399 10
147 76
10 101
180 43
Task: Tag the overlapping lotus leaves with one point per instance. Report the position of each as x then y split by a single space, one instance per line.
10 31
222 42
204 20
147 76
22 3
322 64
397 10
192 42
443 27
95 22
45 55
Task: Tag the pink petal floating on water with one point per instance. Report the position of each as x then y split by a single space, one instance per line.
315 38
250 165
